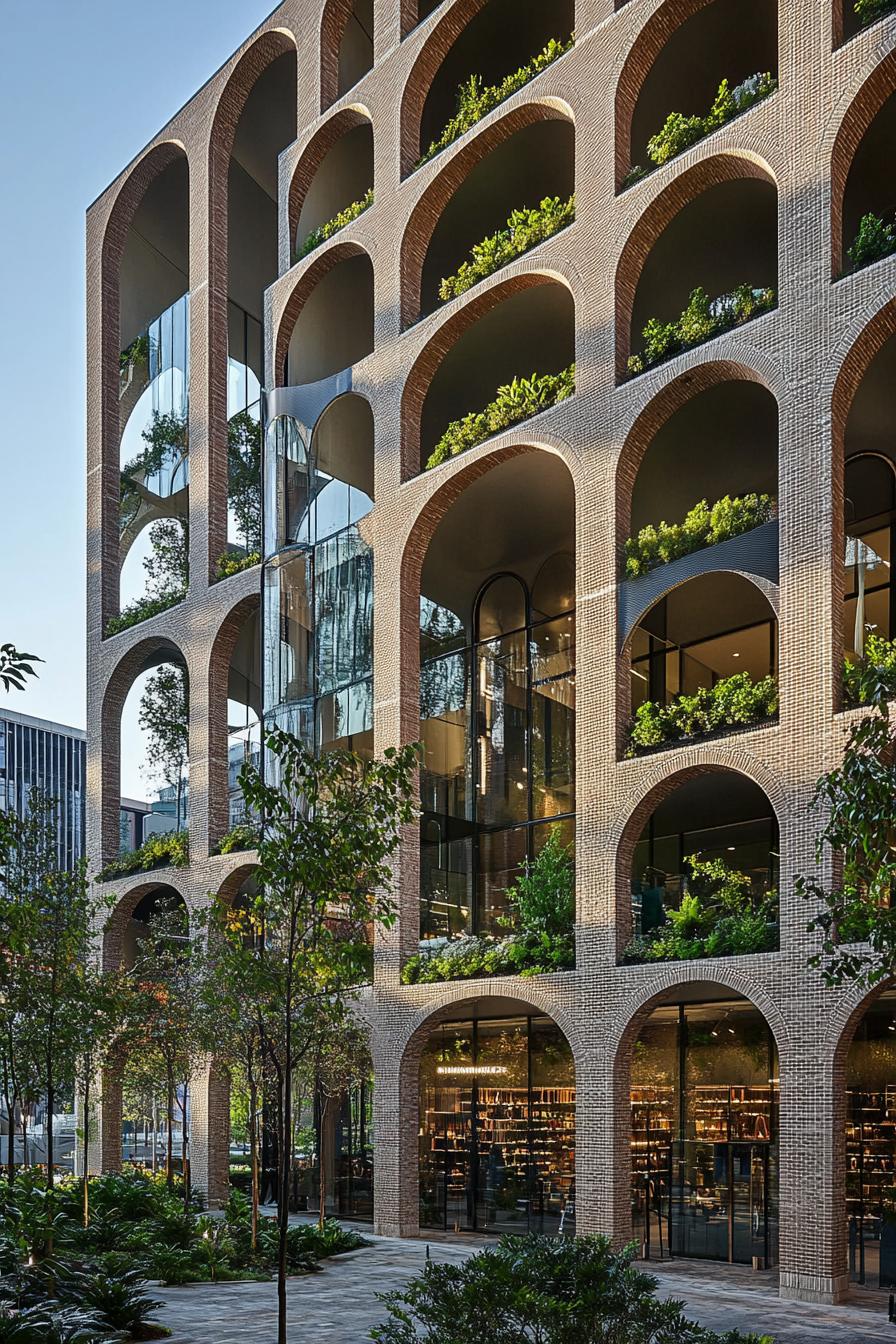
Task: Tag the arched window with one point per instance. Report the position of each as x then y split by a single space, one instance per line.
497 708
870 519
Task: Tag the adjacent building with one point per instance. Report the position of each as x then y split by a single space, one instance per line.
52 758
595 501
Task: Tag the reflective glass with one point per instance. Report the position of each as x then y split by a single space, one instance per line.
502 607
502 737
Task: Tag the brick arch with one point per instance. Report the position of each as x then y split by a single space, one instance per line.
334 21
424 70
312 158
443 339
677 392
666 775
219 658
323 261
127 202
862 108
126 904
229 888
147 652
644 50
681 192
262 52
431 205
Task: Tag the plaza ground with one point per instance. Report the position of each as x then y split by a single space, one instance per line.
339 1304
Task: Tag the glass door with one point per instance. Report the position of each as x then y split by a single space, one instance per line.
749 1203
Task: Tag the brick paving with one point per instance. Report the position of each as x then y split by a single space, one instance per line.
339 1305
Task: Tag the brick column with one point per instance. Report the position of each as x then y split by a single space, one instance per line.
210 1135
104 1139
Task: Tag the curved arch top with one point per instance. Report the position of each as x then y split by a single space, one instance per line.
322 262
313 155
862 107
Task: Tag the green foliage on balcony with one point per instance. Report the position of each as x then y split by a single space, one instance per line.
701 320
542 908
325 231
869 11
874 240
515 401
475 100
873 676
136 353
719 916
734 702
141 609
680 132
704 525
169 850
524 230
244 835
231 563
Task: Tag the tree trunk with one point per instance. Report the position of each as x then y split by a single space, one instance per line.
169 1138
25 1162
10 1103
86 1149
323 1156
184 1151
155 1135
285 1156
253 1159
51 1097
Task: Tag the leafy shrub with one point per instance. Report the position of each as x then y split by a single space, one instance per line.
874 240
543 897
472 957
733 702
866 679
554 1290
718 916
524 230
170 849
231 563
514 402
702 319
50 1323
136 353
244 835
141 609
325 231
704 525
120 1300
869 11
475 100
680 132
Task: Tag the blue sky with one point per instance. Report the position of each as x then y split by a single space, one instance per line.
84 84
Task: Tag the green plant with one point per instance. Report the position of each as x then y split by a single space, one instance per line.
680 132
50 1323
475 100
872 676
549 1290
158 851
515 401
869 11
704 525
473 957
15 667
141 609
524 230
718 916
325 231
135 353
543 897
702 319
244 835
231 562
874 240
732 702
119 1299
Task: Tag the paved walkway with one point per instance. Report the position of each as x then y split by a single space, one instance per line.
339 1305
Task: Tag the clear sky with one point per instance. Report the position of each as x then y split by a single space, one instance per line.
84 84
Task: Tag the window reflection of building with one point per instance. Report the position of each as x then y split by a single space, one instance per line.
704 1130
870 518
318 643
497 1127
497 713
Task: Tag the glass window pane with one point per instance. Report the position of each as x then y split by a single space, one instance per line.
502 720
553 717
502 607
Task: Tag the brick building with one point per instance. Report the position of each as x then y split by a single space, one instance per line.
727 1107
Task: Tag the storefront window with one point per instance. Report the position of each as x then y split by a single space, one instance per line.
871 1147
704 1134
497 1127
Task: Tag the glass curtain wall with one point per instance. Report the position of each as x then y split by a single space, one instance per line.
870 524
871 1147
153 382
318 626
244 366
497 711
497 1127
348 1156
704 1137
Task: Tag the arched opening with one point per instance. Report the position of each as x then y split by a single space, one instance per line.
699 870
346 42
869 517
530 169
152 399
318 624
497 692
870 1145
244 710
500 38
497 1091
334 328
685 63
154 766
675 286
679 464
414 12
334 187
527 335
865 231
703 660
704 1129
851 16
